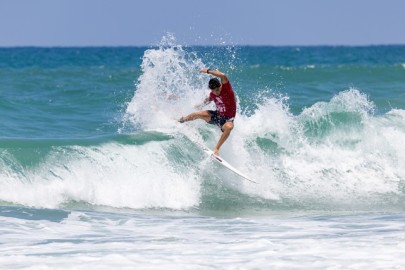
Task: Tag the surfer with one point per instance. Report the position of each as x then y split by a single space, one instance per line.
224 98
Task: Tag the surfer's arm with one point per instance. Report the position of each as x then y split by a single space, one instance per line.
217 73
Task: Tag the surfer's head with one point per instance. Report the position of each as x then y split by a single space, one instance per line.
214 84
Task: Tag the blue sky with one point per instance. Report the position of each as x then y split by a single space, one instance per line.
201 22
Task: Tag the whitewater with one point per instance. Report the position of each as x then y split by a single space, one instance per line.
96 172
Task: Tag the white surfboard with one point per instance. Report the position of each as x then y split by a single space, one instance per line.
224 163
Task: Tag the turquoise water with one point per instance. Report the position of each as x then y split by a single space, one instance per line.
94 166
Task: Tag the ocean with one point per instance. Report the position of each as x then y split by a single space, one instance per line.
96 172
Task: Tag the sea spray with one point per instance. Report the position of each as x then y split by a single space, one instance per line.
340 152
314 159
343 159
144 194
169 86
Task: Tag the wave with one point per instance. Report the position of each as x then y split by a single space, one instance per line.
334 155
355 164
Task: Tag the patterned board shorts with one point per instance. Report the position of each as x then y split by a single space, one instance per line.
219 120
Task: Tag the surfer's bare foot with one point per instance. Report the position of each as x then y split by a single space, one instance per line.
216 152
181 120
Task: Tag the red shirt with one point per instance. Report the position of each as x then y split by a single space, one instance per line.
225 102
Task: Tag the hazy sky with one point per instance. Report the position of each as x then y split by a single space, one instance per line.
201 22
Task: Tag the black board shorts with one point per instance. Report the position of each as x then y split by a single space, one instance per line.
219 120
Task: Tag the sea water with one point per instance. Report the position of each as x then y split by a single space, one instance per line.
96 172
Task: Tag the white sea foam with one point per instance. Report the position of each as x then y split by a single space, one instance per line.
351 164
337 154
349 158
169 87
111 175
127 241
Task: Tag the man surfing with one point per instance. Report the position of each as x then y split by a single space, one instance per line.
224 98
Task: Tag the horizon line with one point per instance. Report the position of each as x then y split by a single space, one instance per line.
200 45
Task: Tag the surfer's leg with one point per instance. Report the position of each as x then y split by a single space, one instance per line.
226 128
204 115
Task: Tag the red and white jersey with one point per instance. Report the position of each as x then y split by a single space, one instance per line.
225 102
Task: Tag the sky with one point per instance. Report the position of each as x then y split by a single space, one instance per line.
201 22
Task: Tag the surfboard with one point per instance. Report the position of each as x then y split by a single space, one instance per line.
224 163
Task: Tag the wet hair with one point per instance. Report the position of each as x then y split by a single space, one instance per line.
214 83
